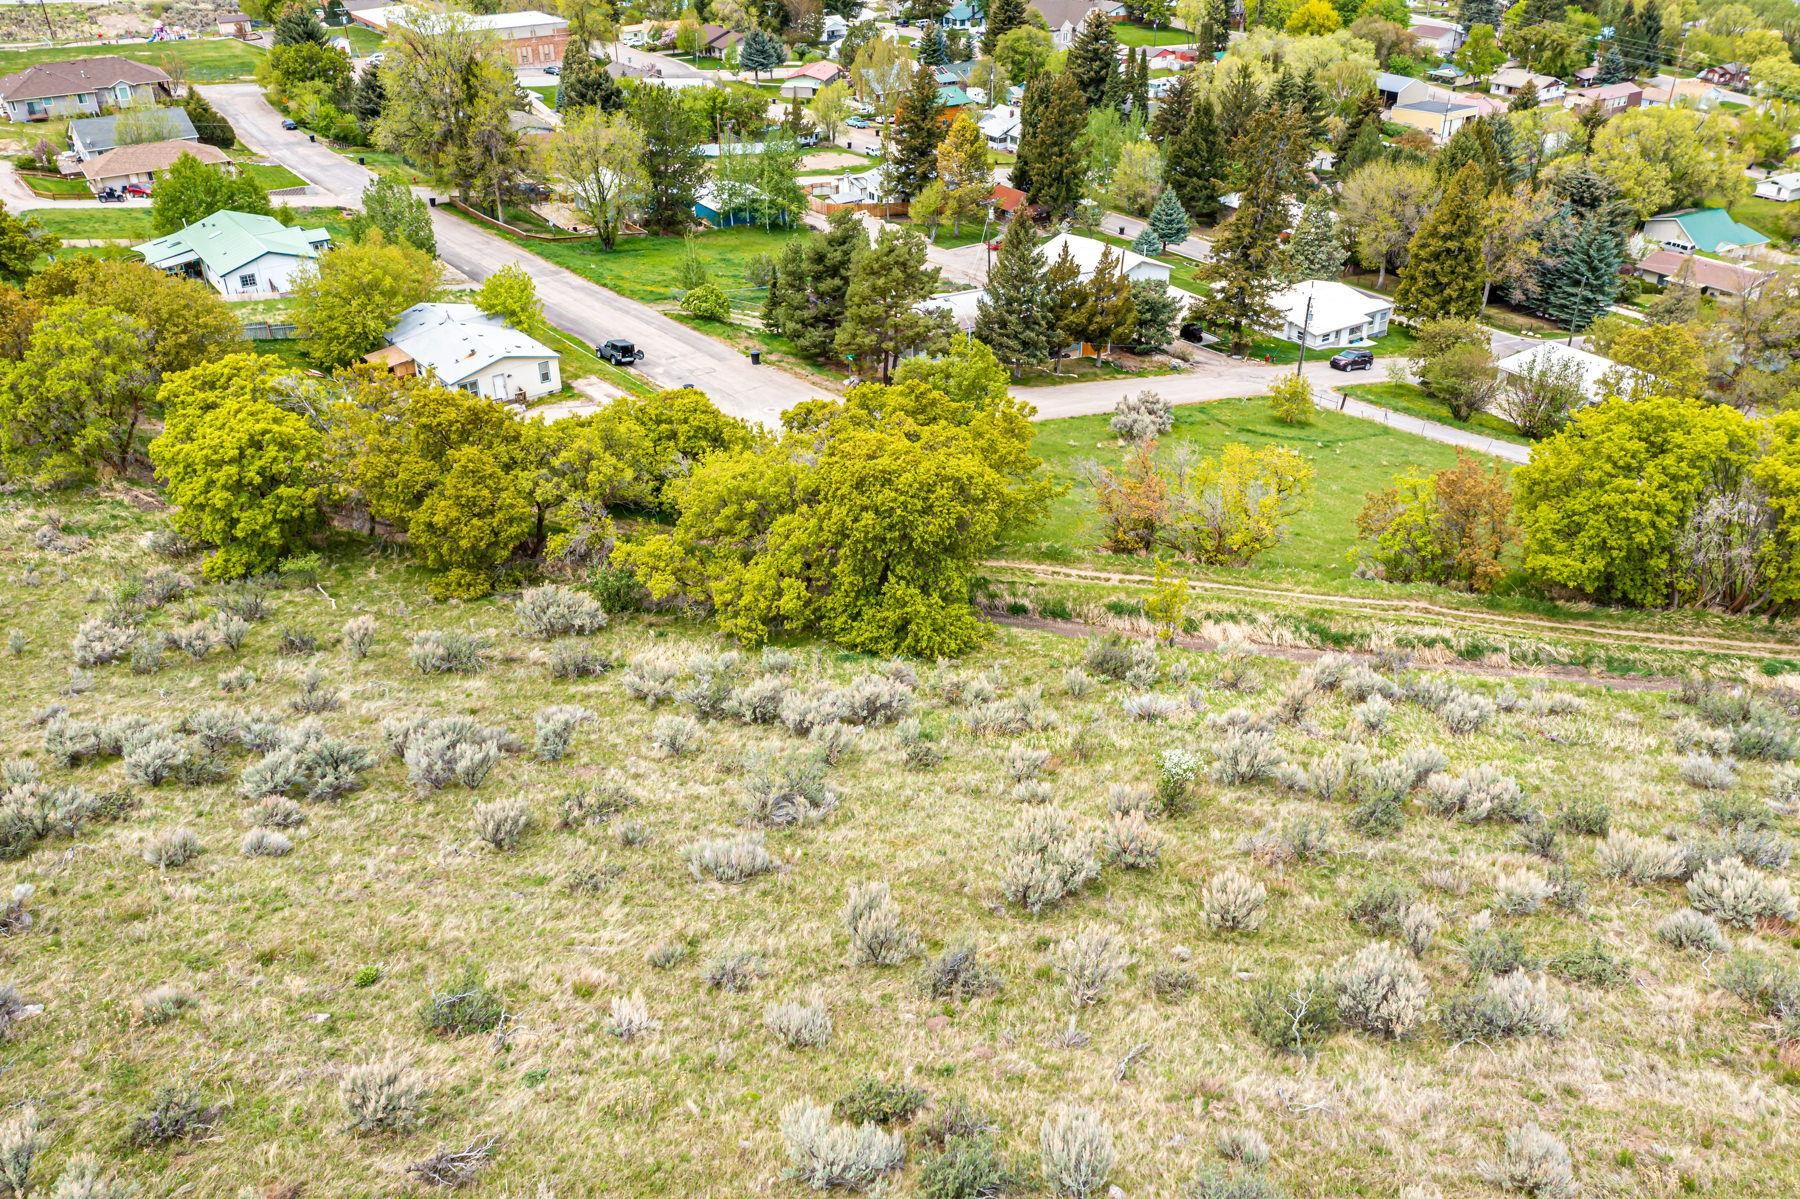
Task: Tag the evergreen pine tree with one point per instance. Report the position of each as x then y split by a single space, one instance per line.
761 51
1169 219
1316 250
1214 34
1064 291
1612 67
917 132
1093 59
1479 12
1473 143
1578 275
931 50
1057 172
1031 107
812 277
1237 100
1364 148
1147 242
216 131
1172 113
881 320
1444 275
1003 16
1647 35
956 46
1193 162
297 26
1140 87
1525 99
1272 154
584 83
1107 314
1013 316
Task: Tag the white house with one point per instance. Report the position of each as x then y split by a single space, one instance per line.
864 187
242 255
1000 125
1593 367
1439 37
1325 314
1784 187
1511 81
461 346
1086 252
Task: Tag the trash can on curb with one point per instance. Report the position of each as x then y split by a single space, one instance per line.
755 357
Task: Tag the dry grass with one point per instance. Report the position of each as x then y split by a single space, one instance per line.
304 966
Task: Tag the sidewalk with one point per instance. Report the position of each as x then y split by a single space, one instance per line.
1336 401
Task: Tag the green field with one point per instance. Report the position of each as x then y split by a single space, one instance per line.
546 94
648 268
200 58
273 176
363 40
57 185
134 224
1772 217
1352 457
1412 400
1133 34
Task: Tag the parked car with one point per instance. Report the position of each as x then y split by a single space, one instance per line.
138 190
290 123
553 69
110 195
376 59
858 122
1193 333
808 139
619 352
1352 360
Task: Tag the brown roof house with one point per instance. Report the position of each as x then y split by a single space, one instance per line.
143 162
82 87
1710 275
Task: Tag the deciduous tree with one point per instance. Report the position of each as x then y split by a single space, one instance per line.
190 191
600 156
351 297
1451 528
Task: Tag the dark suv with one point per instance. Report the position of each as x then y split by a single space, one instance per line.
619 352
1352 360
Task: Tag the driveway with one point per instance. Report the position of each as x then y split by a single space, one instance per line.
675 355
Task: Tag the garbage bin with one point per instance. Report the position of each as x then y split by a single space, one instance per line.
433 200
755 357
312 138
361 161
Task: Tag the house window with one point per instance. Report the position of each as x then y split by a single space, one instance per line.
543 372
247 282
473 387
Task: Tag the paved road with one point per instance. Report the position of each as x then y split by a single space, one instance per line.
675 354
1195 247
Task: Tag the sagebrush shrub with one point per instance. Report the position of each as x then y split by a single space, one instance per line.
799 1023
265 843
1638 859
872 918
170 847
629 1017
1480 794
731 859
83 1177
1144 416
835 742
1495 951
788 791
153 761
1075 1152
556 727
1506 1005
823 1155
359 635
1234 902
1048 858
1738 895
22 1138
1521 892
176 1113
759 701
732 970
448 652
1709 773
466 1005
1382 990
162 1004
1089 961
1247 755
383 1096
1534 1163
576 660
874 1101
99 642
1150 707
1130 841
676 736
453 749
316 695
1692 932
1243 1145
958 973
557 611
502 822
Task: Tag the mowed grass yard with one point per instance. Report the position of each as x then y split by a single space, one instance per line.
135 224
1413 401
648 269
289 971
1351 457
203 59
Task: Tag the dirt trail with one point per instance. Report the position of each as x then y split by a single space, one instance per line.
1423 609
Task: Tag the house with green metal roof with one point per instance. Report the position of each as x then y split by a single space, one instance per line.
951 96
1708 230
242 255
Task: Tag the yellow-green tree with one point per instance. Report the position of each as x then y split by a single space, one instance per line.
964 168
1291 400
1315 18
351 297
1230 510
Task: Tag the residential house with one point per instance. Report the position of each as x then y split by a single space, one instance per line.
1325 314
234 24
712 205
806 81
1009 202
1440 118
1594 369
961 307
1171 58
462 347
1400 89
1510 81
959 16
529 38
1734 75
1784 187
1000 125
1450 75
627 70
91 136
536 123
832 28
865 191
1610 98
242 255
143 162
1708 230
1586 76
950 98
1086 252
1661 91
1064 17
82 86
716 39
1712 276
1438 37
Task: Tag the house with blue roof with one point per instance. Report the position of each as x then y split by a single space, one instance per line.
959 16
1707 230
243 256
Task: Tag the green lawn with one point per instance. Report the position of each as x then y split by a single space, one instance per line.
1412 400
546 94
1772 217
648 268
76 223
201 58
1353 457
363 40
57 185
579 362
1130 33
1396 344
273 176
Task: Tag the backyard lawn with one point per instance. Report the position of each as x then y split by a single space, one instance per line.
1130 33
546 94
648 269
203 59
1353 457
1772 217
126 224
273 176
57 185
363 40
1412 400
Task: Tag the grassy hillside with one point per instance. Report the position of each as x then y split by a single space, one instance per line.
256 985
202 59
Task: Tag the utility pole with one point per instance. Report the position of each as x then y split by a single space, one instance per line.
1305 328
